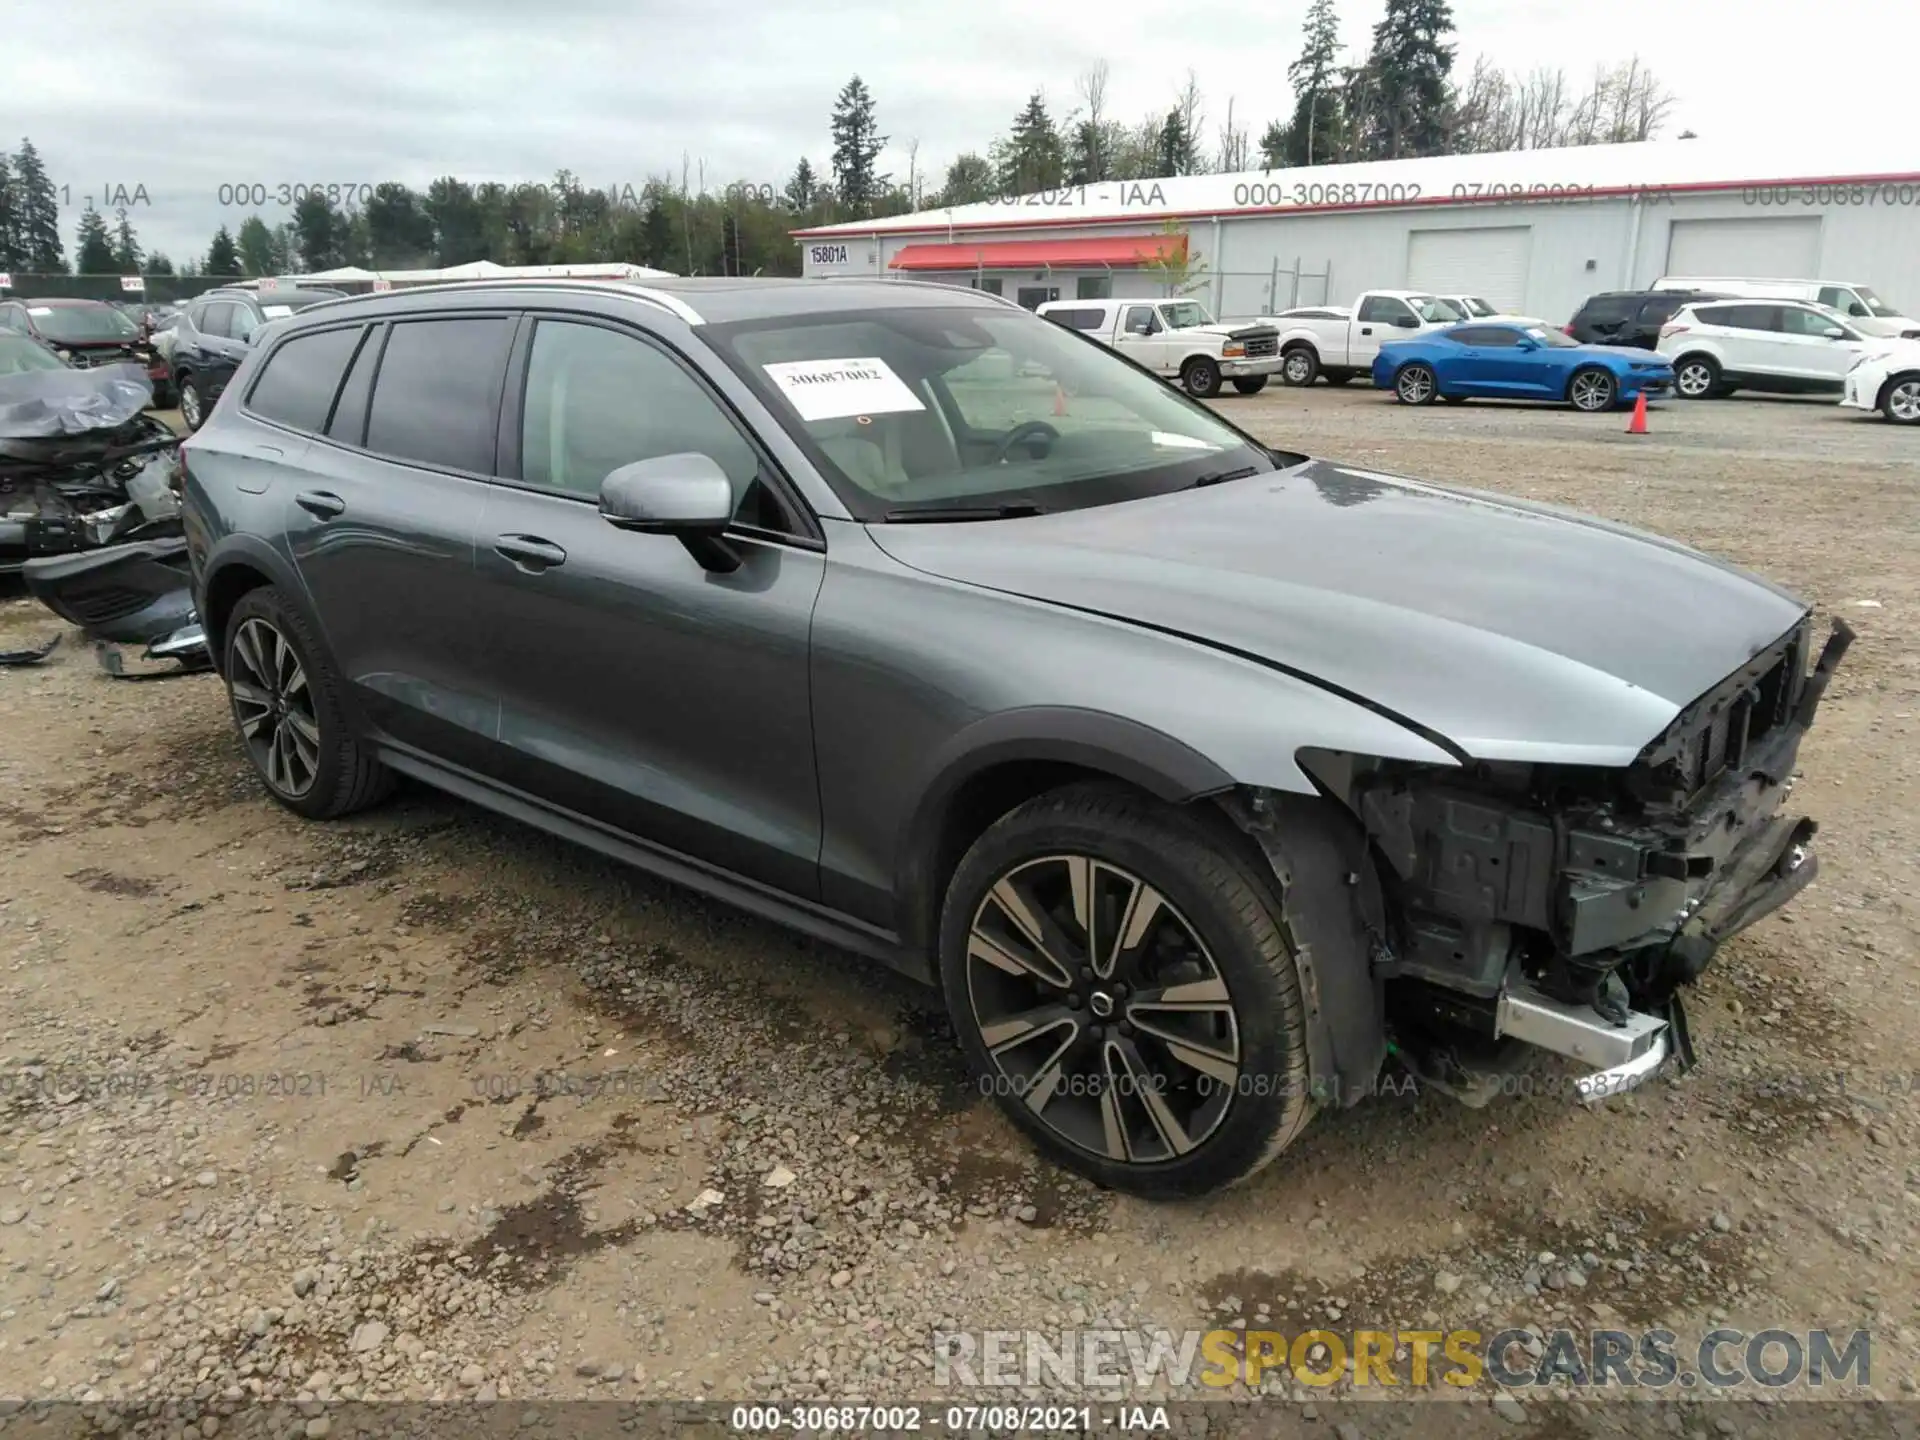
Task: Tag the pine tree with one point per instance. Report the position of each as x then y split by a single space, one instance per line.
255 245
857 143
656 235
319 231
1033 157
223 256
11 256
94 247
127 254
37 212
803 190
159 264
969 181
1176 150
1313 136
1408 67
1273 146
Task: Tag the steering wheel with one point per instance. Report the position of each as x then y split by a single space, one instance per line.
1026 431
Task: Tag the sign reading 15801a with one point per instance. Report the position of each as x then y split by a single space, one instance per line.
829 254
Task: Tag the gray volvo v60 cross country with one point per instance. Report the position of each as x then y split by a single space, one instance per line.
1198 776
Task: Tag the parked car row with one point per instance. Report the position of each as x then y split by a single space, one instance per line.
86 334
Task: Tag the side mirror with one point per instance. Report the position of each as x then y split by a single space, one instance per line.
1406 322
1834 332
1527 342
1856 309
687 496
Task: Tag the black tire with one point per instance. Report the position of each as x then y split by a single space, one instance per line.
1211 894
1592 390
1337 377
1900 399
1299 365
1200 377
345 776
193 412
1250 384
1415 383
1697 377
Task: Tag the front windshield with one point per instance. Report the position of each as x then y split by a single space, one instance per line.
1475 305
1434 310
1456 309
1183 314
76 324
947 407
18 355
1876 304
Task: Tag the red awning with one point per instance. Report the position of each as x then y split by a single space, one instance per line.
1083 253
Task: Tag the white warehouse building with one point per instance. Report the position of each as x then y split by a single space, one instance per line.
1534 232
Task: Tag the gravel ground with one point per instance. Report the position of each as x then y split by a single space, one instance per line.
425 1105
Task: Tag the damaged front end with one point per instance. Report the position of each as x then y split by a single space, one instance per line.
90 509
1533 906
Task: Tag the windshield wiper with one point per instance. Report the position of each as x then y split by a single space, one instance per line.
1220 477
935 513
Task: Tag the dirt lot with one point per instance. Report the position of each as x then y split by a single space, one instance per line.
424 1104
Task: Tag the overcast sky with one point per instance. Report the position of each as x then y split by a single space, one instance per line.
183 98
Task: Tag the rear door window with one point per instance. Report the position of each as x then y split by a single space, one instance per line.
297 384
1661 308
1605 309
436 399
217 320
1741 317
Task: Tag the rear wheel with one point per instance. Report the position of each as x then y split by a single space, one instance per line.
287 707
1900 400
1300 366
1123 986
1592 389
1415 384
1696 377
1251 384
192 407
1201 378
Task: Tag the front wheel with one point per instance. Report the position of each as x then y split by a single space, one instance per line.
287 708
1201 378
1592 389
1124 989
1415 384
1901 401
1250 384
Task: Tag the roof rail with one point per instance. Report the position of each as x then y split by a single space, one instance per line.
672 304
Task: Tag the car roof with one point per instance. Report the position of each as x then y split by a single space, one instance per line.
713 299
63 301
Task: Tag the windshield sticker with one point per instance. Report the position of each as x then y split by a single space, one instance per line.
836 389
39 309
276 312
1181 442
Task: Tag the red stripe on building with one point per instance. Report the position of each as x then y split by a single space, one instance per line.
1091 253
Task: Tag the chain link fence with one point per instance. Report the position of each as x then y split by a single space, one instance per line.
159 289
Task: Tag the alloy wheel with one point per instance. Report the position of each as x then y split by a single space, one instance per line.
1903 402
1102 1009
1591 391
1693 380
274 707
1415 385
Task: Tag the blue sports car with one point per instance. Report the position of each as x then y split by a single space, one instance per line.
1516 360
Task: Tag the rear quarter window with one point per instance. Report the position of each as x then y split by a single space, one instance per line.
1608 307
300 378
1078 319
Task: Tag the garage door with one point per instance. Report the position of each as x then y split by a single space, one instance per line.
1771 248
1489 263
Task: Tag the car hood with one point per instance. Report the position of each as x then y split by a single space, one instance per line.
1516 631
1232 329
1890 327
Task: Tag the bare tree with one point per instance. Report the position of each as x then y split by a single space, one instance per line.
1493 110
1191 105
1092 89
1236 148
913 173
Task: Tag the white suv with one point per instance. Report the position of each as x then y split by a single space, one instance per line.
1788 346
1888 380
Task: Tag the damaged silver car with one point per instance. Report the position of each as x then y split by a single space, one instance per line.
1204 780
91 521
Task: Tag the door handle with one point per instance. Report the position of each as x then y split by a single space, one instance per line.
529 552
1366 329
322 503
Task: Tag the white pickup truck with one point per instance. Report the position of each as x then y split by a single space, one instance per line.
1339 342
1178 340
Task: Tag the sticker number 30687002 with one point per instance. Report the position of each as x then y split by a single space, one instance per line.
836 389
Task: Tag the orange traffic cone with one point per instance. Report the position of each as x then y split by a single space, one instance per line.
1638 425
1059 400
